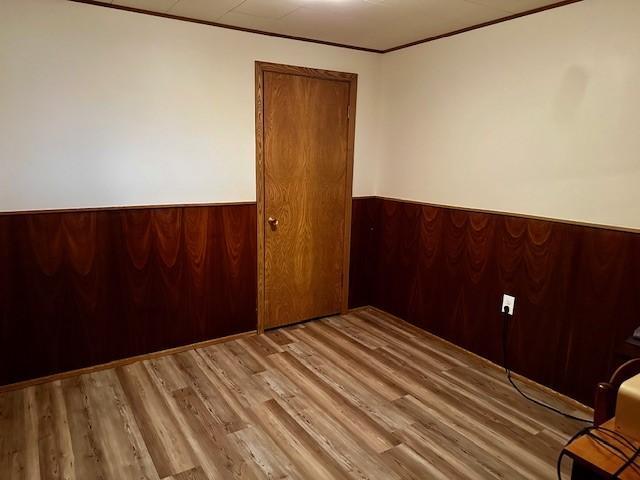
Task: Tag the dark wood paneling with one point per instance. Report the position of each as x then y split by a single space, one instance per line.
364 234
83 288
445 270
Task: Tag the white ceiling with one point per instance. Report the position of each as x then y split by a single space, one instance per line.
376 24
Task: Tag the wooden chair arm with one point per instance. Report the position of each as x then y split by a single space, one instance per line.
604 406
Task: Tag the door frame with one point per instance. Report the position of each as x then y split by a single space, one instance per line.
352 80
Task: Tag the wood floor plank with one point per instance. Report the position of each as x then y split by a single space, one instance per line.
204 434
167 373
234 375
358 396
12 435
462 456
415 383
304 452
353 329
365 397
373 434
260 344
415 336
352 357
525 463
85 431
208 439
168 447
199 378
450 464
461 391
54 439
228 392
410 465
342 444
192 474
489 373
352 353
279 336
106 438
501 392
265 457
246 360
283 389
31 451
519 412
417 348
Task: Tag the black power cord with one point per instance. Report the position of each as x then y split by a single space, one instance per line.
628 460
507 369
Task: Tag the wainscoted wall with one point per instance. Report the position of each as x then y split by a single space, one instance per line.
362 267
82 288
444 269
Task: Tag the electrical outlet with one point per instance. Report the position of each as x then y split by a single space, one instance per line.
508 301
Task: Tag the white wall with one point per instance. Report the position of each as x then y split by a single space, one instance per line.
100 107
539 116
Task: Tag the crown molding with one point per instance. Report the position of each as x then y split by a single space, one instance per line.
323 42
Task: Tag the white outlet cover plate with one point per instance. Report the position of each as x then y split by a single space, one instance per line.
508 301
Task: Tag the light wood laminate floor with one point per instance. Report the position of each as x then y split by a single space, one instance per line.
357 396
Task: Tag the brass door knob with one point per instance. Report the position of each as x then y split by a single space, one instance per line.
273 221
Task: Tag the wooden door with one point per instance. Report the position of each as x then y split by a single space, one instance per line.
305 127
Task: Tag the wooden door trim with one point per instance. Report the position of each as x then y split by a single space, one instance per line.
352 79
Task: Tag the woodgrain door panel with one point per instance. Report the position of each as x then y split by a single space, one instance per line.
307 183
